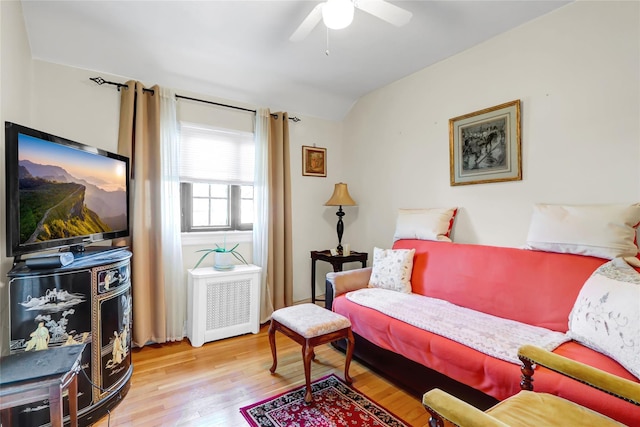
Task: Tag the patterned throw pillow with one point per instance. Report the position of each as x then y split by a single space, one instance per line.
606 314
392 269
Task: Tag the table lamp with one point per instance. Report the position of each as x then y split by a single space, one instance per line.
340 197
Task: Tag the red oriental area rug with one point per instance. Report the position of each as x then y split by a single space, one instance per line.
334 404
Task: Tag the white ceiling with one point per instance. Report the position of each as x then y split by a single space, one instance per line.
240 50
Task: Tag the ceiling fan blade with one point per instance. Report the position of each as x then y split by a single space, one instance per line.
308 24
384 10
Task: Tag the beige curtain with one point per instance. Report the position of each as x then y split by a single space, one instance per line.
279 266
139 139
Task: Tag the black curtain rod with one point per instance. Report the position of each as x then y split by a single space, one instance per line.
100 81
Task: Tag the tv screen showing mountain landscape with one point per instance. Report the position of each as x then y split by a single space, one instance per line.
66 192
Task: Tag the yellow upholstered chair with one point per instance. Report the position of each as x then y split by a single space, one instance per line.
528 408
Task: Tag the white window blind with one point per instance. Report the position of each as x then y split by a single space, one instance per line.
216 155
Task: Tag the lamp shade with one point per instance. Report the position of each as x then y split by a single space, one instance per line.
340 196
337 14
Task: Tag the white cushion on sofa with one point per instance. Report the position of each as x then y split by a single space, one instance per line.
606 314
425 224
392 269
603 231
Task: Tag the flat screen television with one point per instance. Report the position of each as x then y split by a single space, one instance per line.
61 193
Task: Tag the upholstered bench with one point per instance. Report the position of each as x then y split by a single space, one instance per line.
310 325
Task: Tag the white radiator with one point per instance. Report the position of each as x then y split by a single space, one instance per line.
223 304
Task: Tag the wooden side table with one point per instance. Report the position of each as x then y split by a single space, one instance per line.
337 261
30 376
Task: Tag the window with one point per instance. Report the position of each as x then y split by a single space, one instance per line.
216 178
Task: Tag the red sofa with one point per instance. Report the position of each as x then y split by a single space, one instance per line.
538 288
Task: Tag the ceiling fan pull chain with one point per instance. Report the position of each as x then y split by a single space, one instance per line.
326 52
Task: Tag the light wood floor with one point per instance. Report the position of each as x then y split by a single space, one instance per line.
179 385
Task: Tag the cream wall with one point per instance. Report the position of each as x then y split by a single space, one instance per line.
66 103
63 101
576 71
15 91
314 225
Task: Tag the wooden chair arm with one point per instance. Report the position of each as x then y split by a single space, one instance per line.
350 280
594 377
446 409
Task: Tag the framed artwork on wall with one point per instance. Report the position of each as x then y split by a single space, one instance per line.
485 146
314 161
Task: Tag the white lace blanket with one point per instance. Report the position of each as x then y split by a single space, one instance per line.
488 334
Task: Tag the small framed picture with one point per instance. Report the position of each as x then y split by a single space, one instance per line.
484 146
314 161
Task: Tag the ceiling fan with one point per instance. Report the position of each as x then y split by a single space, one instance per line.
338 14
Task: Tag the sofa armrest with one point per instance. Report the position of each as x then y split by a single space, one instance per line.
347 281
594 377
446 409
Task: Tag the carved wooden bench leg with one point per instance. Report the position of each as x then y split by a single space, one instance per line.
310 326
307 356
350 344
272 344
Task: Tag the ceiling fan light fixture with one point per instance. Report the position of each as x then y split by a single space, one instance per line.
337 14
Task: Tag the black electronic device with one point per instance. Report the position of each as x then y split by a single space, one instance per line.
61 193
58 260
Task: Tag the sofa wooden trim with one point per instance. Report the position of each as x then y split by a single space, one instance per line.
446 409
615 386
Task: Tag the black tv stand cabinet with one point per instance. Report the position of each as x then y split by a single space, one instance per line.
86 302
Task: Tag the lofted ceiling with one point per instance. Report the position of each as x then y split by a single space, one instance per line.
240 50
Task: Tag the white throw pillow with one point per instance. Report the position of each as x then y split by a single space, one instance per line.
392 269
425 224
606 314
603 231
